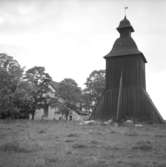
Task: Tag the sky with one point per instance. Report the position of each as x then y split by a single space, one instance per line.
71 37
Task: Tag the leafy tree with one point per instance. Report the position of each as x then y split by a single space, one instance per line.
23 99
10 74
71 94
95 85
9 64
69 91
39 82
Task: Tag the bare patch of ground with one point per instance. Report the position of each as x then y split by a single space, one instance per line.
68 144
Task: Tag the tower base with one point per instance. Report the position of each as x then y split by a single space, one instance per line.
134 104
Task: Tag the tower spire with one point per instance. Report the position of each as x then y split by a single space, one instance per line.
125 10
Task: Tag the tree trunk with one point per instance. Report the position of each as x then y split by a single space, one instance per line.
33 115
46 110
66 115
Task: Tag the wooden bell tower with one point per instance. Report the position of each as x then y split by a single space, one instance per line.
125 96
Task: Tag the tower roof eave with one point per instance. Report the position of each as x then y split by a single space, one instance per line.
122 53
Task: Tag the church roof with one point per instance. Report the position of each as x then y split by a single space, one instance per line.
124 45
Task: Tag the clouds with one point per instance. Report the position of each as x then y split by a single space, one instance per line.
14 15
21 14
75 15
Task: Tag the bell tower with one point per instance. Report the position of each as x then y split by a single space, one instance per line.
125 96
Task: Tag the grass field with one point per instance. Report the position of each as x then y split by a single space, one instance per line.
69 144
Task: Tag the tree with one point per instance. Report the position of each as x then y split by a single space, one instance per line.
23 99
10 74
95 85
71 94
39 82
69 91
22 94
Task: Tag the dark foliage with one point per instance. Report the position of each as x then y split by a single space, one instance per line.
95 85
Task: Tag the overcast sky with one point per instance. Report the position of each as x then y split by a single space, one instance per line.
70 37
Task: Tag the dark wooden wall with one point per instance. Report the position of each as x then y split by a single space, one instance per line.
132 69
135 103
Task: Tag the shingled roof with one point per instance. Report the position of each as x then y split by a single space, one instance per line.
125 45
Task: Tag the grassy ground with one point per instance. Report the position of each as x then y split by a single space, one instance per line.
68 144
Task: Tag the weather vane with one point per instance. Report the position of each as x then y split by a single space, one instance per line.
125 10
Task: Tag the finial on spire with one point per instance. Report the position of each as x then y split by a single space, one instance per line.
125 9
